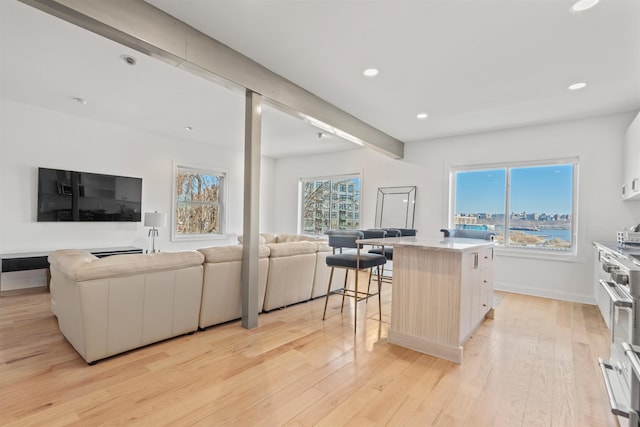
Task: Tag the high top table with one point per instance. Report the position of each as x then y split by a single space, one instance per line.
442 291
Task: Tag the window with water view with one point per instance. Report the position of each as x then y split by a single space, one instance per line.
527 206
330 204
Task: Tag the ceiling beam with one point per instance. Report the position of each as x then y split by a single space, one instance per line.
143 27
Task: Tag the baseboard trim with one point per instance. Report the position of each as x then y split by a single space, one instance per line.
422 345
544 293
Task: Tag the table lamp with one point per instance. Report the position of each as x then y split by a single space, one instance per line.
154 220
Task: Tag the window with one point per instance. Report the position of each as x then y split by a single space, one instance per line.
331 203
199 208
528 205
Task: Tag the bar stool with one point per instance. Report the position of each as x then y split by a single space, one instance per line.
388 250
339 240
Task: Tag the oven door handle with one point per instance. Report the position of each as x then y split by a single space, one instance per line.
633 357
614 296
615 409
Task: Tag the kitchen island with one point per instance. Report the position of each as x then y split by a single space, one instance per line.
442 291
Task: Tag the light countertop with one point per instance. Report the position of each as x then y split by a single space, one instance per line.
623 254
455 244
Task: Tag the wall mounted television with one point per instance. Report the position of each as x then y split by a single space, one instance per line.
65 195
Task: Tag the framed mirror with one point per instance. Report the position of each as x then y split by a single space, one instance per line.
395 207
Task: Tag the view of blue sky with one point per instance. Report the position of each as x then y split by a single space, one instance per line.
540 189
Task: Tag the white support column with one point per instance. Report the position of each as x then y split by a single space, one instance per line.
251 223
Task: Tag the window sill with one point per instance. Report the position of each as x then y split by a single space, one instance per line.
537 254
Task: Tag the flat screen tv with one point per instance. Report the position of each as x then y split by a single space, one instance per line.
65 195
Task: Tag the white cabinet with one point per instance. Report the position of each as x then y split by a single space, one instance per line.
485 282
479 286
631 161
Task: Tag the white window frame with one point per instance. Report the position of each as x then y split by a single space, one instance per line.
180 166
301 181
515 250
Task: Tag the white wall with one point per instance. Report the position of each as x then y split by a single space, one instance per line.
597 141
32 137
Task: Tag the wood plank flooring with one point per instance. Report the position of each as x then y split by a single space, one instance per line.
533 365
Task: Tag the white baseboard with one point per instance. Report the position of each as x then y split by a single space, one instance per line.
544 293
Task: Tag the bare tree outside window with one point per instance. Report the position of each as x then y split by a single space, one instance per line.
330 204
199 203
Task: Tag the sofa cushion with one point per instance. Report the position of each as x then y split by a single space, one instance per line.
350 260
217 254
261 240
292 248
269 237
324 247
284 238
122 265
69 260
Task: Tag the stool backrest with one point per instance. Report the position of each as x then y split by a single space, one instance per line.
344 238
408 231
468 233
393 232
374 233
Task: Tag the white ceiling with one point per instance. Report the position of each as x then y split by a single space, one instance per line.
472 65
46 62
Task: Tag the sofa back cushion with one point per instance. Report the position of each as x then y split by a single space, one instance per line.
82 267
217 254
263 239
69 260
279 250
284 238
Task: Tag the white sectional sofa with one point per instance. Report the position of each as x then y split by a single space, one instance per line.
222 292
107 306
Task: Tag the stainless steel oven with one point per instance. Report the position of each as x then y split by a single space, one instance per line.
621 284
631 353
602 272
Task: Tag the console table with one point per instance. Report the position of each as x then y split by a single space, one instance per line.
38 260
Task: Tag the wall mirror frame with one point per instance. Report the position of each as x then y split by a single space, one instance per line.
395 207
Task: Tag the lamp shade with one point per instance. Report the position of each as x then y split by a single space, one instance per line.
155 219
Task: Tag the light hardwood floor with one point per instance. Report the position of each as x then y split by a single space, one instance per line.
533 365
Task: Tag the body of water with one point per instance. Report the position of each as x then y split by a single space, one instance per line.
548 234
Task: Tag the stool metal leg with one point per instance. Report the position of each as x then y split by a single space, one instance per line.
344 288
326 300
355 304
379 296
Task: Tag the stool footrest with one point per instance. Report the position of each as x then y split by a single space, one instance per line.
358 295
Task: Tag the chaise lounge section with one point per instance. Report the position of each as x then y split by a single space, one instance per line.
107 306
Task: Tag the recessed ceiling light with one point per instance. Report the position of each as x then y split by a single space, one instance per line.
581 5
422 116
130 60
188 128
577 86
80 100
370 72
